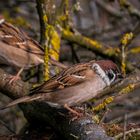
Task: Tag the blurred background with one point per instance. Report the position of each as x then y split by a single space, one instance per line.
103 20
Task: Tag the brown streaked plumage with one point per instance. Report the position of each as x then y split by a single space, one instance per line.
18 50
74 85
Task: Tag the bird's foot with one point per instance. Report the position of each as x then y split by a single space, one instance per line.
16 77
13 79
73 112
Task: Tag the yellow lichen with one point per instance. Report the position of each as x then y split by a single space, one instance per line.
123 68
103 104
126 38
77 38
127 89
62 18
98 107
110 51
52 49
45 18
55 42
135 50
96 118
109 100
124 42
93 42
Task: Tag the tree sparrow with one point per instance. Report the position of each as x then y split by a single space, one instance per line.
74 85
19 50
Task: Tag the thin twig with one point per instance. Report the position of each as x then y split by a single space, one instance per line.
128 132
74 54
104 115
124 128
130 115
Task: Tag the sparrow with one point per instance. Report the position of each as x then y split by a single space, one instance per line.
18 50
74 85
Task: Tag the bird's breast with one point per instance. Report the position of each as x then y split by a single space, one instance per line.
78 93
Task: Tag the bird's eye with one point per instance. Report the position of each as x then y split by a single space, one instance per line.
95 67
111 75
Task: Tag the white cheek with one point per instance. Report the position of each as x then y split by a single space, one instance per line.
2 20
101 73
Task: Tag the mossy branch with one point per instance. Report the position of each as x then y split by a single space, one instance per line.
97 47
50 39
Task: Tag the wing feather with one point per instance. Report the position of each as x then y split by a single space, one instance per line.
11 35
68 77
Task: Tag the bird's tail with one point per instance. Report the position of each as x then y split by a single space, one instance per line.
21 100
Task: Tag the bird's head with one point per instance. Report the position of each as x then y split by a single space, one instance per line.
107 70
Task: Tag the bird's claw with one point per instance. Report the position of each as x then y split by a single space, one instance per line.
13 79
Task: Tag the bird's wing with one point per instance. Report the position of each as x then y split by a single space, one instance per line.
11 35
69 77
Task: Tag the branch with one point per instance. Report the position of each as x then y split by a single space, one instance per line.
95 46
133 130
130 8
108 8
14 91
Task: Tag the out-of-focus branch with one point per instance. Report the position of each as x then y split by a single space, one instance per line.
130 8
50 38
124 43
112 11
135 50
133 130
61 16
42 24
97 47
